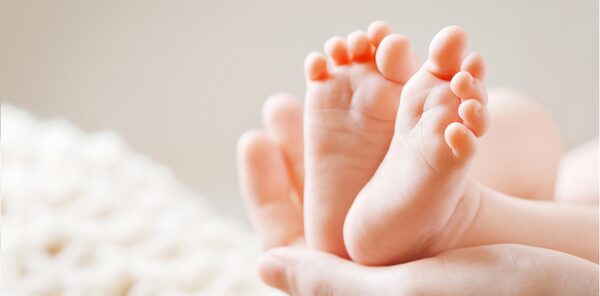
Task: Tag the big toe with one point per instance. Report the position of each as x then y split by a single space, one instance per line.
446 52
395 59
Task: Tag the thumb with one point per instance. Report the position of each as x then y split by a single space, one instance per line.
300 271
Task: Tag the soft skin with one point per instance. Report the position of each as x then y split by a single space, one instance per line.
263 159
421 198
422 201
350 120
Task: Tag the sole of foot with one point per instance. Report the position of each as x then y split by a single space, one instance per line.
352 97
420 199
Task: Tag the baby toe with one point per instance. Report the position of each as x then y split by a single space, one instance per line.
315 66
337 50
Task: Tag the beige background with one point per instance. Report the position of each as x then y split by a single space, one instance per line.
180 80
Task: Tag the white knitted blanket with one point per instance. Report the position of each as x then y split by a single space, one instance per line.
82 214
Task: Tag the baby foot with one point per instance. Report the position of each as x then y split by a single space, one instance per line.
350 112
420 200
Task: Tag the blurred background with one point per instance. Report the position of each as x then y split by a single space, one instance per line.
181 80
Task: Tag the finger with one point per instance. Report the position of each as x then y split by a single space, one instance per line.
282 118
484 270
300 271
502 270
267 190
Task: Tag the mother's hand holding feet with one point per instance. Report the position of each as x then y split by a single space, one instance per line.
270 169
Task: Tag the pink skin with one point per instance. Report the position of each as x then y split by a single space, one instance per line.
350 109
578 175
420 200
481 219
266 168
349 121
521 132
348 127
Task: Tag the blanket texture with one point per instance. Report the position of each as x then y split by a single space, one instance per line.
83 214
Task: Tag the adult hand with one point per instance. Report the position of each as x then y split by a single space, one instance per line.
270 170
